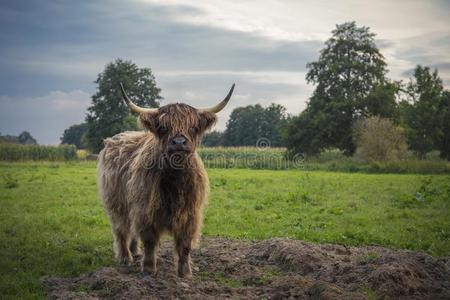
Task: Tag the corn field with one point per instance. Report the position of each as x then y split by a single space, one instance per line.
248 158
18 152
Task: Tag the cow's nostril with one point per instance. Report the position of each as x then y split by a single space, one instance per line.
178 141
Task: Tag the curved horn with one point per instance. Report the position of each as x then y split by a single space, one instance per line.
221 105
134 107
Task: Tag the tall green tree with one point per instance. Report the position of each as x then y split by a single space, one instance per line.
381 101
74 134
422 112
108 115
346 73
249 124
304 135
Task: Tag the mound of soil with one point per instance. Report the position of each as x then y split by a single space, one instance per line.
270 269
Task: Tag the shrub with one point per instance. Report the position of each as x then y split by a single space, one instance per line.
378 139
433 155
82 154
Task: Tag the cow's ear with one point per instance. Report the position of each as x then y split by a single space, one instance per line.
207 120
149 121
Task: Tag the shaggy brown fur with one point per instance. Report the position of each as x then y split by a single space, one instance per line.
148 190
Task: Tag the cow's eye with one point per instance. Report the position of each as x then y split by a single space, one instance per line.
193 130
162 130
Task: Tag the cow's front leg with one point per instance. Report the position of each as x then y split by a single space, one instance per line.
183 248
151 242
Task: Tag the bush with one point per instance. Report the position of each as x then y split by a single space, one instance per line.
417 166
433 155
82 154
17 152
378 139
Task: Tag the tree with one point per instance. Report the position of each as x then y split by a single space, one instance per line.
444 123
23 138
26 138
378 139
242 126
213 139
304 136
421 112
249 124
73 135
274 124
381 101
108 115
347 72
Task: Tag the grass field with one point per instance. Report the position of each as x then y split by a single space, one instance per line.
51 221
257 158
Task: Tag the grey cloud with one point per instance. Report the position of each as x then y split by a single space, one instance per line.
383 43
425 49
445 66
206 90
62 46
44 117
408 73
68 53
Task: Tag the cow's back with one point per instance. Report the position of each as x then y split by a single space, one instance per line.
114 169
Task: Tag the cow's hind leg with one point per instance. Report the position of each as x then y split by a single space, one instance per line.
183 248
121 246
135 247
150 238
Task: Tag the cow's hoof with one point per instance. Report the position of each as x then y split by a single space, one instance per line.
136 254
184 271
125 261
150 274
149 271
185 275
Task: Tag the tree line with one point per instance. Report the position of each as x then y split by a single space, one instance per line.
249 124
351 86
108 115
24 138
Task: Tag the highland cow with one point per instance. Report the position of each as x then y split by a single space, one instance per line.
154 182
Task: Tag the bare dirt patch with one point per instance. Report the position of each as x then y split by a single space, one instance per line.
270 269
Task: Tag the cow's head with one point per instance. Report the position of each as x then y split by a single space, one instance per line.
179 127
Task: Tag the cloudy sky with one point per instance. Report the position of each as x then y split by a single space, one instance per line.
52 51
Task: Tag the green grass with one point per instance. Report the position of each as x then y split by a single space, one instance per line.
400 211
258 158
52 223
328 160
